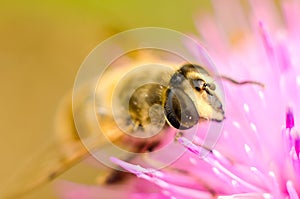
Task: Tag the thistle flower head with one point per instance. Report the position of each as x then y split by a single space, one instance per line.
258 153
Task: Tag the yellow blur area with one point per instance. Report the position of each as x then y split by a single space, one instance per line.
42 44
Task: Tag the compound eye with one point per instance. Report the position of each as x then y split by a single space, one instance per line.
180 110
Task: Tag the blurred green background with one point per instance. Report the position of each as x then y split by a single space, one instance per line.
42 44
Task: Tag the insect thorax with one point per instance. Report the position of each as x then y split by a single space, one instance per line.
137 102
145 105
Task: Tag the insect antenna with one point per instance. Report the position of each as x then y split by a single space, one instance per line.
241 82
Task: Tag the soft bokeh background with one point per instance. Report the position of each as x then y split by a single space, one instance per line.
42 44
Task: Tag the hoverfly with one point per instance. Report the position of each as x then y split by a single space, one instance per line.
184 97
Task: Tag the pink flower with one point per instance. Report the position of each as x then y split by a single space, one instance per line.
258 154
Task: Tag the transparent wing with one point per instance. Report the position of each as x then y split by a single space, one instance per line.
44 167
62 154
